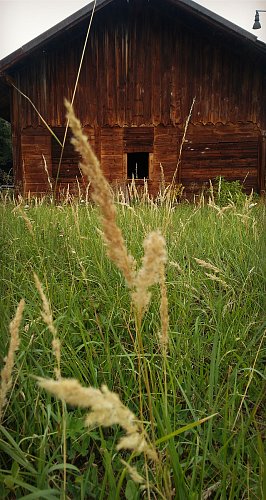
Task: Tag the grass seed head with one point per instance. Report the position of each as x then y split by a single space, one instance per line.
56 345
103 197
135 476
6 373
213 277
207 265
136 442
155 256
106 410
46 312
26 220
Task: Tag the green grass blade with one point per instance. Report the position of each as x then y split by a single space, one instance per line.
183 429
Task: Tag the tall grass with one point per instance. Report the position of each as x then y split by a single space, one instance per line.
216 318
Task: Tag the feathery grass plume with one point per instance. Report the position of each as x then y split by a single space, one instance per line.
26 219
56 346
106 410
176 265
46 312
47 317
102 196
207 265
135 476
213 277
6 373
154 258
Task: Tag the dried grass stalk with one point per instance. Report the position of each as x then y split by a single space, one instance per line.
106 410
47 317
216 278
176 265
207 265
27 220
56 345
102 196
46 312
47 173
209 492
135 476
6 373
154 245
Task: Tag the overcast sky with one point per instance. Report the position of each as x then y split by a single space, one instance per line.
23 20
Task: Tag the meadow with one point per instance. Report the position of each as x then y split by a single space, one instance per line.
213 365
133 383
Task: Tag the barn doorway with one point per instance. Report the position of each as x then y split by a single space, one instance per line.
138 165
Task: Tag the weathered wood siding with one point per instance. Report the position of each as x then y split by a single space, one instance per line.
166 152
65 167
228 150
209 151
112 153
143 66
144 70
36 160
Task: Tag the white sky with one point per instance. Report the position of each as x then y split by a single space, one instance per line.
23 20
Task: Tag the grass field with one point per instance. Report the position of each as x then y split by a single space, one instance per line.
215 278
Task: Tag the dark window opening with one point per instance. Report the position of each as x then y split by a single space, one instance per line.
138 165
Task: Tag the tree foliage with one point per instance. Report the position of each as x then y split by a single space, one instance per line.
5 151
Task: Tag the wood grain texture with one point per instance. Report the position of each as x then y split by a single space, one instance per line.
144 70
35 152
143 66
230 151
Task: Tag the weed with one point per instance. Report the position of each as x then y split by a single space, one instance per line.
226 192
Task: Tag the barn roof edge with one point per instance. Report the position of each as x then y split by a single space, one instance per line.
189 5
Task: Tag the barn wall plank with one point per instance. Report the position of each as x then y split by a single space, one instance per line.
166 147
224 150
112 153
144 70
35 153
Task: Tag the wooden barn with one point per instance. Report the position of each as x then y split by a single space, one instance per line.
144 63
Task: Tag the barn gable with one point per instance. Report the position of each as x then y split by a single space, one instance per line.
144 64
